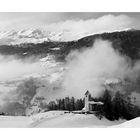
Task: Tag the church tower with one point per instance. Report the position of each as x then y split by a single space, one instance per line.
87 95
89 104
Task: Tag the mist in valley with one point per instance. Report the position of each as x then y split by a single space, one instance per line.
22 81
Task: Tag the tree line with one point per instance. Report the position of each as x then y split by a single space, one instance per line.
118 106
67 103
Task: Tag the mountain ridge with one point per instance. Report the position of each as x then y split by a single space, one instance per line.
39 35
126 42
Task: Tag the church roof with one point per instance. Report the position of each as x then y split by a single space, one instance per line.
97 103
87 92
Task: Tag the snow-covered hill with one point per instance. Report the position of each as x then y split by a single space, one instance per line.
134 123
56 119
61 120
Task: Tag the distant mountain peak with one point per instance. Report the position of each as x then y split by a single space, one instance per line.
13 37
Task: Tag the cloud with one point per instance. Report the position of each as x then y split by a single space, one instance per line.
78 28
11 68
90 68
72 28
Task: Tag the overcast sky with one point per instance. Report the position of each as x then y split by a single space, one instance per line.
57 16
41 19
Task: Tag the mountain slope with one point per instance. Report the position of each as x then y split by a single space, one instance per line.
126 42
13 37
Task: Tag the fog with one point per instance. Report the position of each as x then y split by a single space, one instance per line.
75 29
23 79
89 68
84 69
11 67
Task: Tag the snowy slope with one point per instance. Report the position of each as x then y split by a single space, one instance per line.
73 120
54 119
14 122
134 123
28 36
39 35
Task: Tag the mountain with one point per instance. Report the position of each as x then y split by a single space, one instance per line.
36 35
126 42
13 37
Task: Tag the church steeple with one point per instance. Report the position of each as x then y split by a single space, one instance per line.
87 92
89 102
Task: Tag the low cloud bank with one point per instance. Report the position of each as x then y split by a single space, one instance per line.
75 29
89 69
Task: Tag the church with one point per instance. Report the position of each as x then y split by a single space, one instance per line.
89 104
